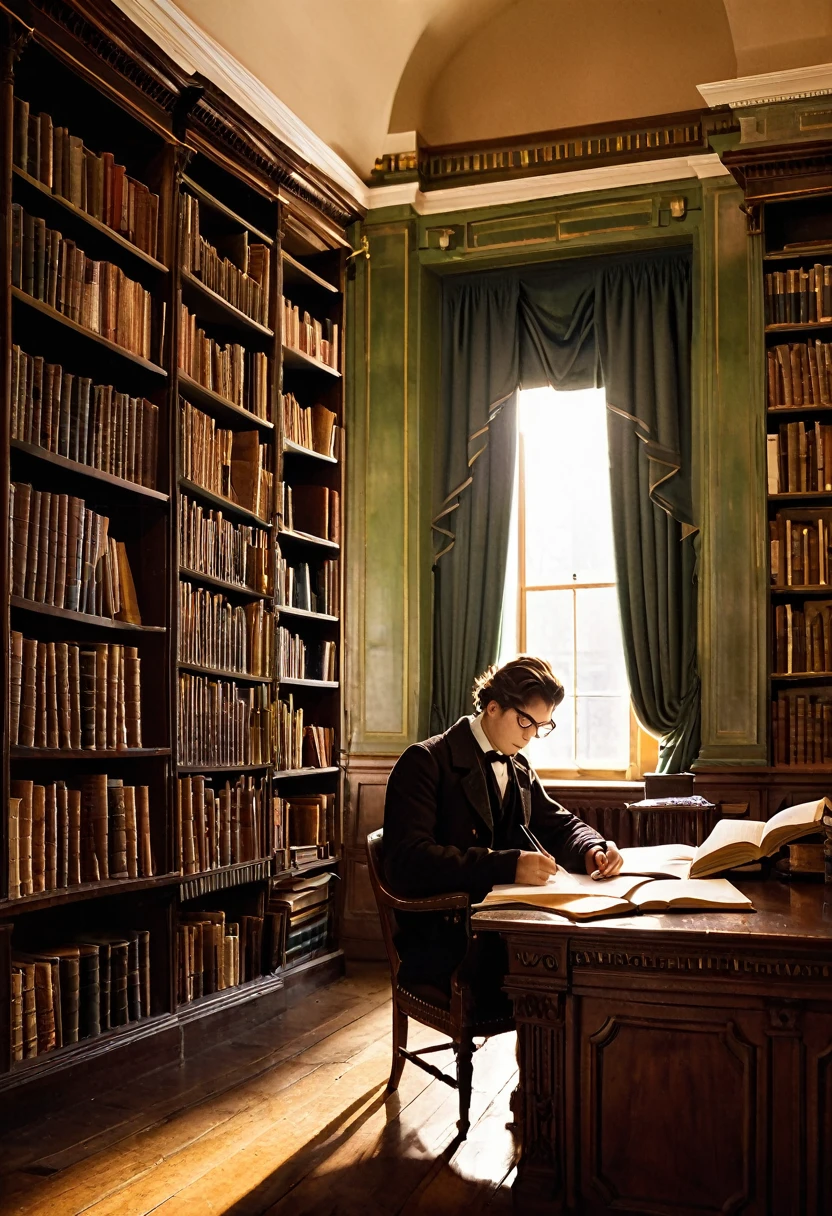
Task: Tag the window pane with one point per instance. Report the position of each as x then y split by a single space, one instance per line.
600 651
568 516
550 632
603 732
558 749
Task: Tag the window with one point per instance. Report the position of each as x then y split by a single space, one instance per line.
560 599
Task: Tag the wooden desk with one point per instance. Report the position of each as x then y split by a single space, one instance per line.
675 1064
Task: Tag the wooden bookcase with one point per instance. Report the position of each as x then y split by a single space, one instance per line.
102 80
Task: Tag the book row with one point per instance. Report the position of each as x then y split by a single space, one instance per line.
232 464
308 907
215 953
223 724
799 458
95 184
69 696
61 835
800 549
304 828
801 728
294 586
213 632
89 423
310 426
235 374
296 661
297 745
799 373
803 637
79 989
96 295
318 339
234 269
793 297
211 544
313 509
62 554
223 826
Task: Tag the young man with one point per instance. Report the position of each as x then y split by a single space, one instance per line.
464 811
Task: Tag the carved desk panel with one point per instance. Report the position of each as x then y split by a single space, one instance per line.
677 1065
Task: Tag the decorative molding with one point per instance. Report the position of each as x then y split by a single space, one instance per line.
197 53
795 83
549 185
539 1007
728 965
530 958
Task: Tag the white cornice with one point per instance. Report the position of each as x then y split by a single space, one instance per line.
196 51
551 185
814 81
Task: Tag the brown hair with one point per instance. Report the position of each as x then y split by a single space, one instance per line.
516 683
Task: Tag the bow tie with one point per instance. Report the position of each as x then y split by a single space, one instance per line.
493 757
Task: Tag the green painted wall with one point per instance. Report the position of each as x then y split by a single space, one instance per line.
394 304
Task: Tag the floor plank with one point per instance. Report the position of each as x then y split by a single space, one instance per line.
290 1118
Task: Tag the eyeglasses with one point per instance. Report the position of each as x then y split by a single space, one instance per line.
541 729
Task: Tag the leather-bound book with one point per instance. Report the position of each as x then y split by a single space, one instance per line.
40 696
132 696
52 736
20 536
212 827
54 545
38 838
32 545
14 847
28 1004
89 991
143 939
134 997
113 674
245 470
45 1006
59 591
199 825
69 964
131 841
51 836
74 846
146 862
63 827
90 871
186 821
74 668
96 784
334 532
119 973
17 1013
117 828
310 509
15 685
87 664
24 791
102 658
28 694
323 423
74 544
64 715
46 543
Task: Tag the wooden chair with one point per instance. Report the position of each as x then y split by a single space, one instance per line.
457 1017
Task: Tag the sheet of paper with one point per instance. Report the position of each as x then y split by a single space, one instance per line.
566 884
667 860
692 892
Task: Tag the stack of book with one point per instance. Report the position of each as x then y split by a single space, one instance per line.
801 727
311 426
95 184
318 339
220 827
803 637
89 423
233 464
73 696
213 632
305 826
96 295
307 904
294 586
76 991
799 373
315 510
210 544
215 954
793 297
800 458
299 746
235 270
800 545
61 554
61 837
223 724
295 662
241 377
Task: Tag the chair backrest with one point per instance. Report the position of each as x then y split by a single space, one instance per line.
385 900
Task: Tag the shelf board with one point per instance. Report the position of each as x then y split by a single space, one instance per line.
214 203
305 615
796 255
800 677
59 753
810 496
281 774
306 538
85 470
222 585
113 347
223 768
219 407
780 411
298 449
785 327
84 891
811 589
296 683
227 998
90 221
297 358
87 1049
222 674
81 618
194 886
209 305
295 272
320 864
222 504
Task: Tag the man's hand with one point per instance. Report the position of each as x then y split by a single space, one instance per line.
603 865
533 869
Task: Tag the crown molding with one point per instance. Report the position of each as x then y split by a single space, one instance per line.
550 185
791 85
197 53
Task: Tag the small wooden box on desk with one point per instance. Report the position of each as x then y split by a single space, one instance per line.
670 812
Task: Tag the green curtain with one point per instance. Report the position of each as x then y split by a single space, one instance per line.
621 321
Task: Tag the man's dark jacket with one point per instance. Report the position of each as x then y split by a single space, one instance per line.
438 825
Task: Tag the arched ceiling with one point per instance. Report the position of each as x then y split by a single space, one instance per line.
456 70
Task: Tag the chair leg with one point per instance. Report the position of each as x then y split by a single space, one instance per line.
465 1076
399 1040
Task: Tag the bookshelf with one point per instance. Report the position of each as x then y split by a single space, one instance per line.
148 816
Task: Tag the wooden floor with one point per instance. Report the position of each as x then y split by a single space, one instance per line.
289 1119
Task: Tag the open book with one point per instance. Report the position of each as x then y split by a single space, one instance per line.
579 897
